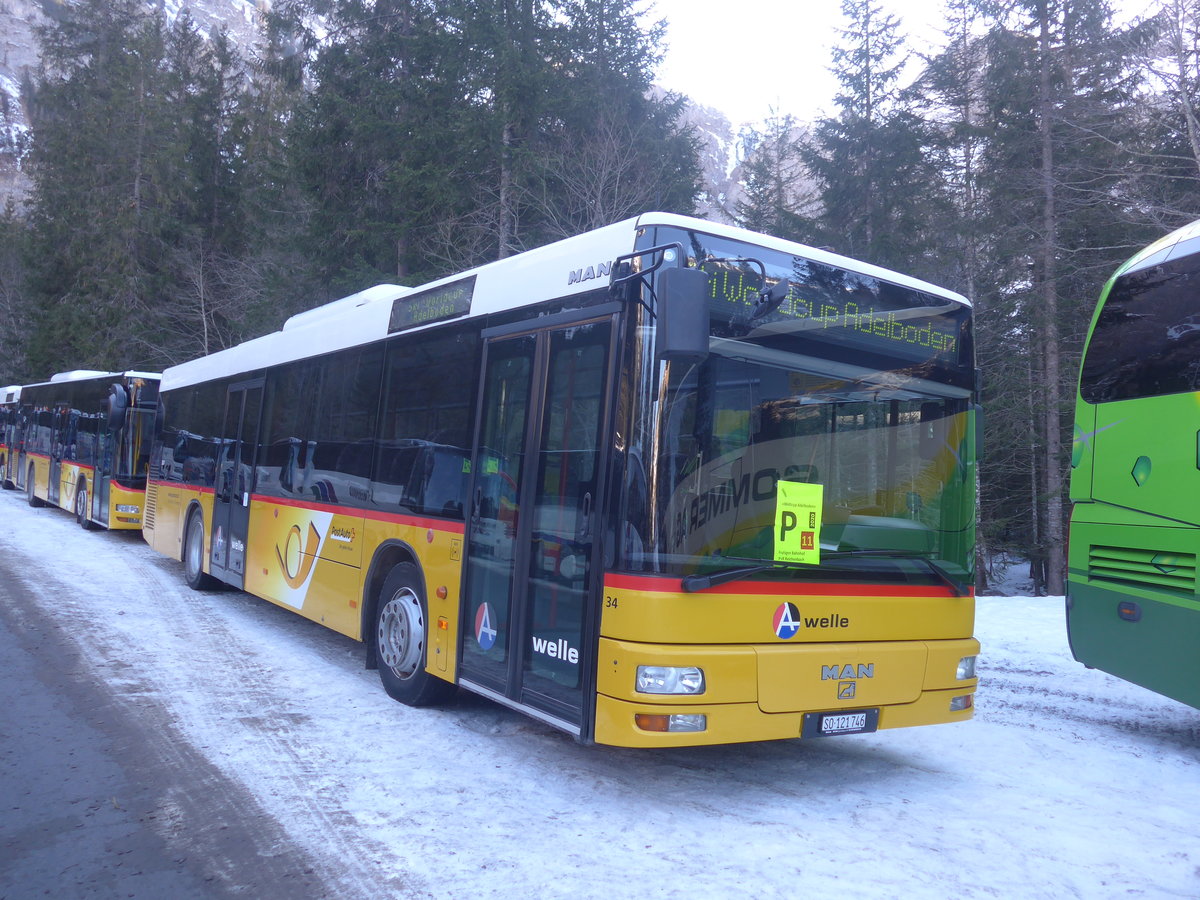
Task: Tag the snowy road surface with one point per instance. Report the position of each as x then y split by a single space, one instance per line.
1068 783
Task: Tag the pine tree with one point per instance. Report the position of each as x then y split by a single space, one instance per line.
447 133
101 159
879 184
1057 101
1164 192
780 197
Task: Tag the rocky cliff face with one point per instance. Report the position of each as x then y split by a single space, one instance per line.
18 58
720 163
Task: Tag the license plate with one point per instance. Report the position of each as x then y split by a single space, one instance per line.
859 721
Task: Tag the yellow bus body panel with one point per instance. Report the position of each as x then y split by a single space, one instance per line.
894 649
166 509
119 496
315 560
41 475
742 722
726 615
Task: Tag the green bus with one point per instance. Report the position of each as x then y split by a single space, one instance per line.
1132 604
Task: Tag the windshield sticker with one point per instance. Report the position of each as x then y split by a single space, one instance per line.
798 522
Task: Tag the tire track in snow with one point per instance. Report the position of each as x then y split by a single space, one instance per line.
214 689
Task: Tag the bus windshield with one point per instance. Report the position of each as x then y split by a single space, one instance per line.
843 398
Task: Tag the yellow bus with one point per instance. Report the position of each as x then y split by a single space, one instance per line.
664 483
9 397
83 444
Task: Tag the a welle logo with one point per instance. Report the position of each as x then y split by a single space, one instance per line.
555 649
787 621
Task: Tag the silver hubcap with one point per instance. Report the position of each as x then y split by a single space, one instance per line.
195 545
401 635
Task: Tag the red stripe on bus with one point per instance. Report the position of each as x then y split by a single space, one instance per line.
179 484
662 584
375 515
64 462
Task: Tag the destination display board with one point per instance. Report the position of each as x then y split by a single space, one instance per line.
446 301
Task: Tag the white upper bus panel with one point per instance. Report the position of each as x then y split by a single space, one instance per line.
90 374
572 266
1181 242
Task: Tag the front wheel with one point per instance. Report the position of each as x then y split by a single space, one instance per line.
5 481
82 511
193 555
401 639
31 496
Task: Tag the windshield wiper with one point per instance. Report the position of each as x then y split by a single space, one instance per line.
693 583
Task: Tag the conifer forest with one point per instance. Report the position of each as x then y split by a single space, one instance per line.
187 194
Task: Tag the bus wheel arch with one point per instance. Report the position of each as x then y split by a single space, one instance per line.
31 496
387 557
399 638
192 551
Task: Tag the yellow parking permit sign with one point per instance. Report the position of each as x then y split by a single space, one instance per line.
798 522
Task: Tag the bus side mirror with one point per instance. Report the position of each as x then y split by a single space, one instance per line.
114 406
682 315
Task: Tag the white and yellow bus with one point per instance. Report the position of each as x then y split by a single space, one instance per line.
82 443
9 397
663 483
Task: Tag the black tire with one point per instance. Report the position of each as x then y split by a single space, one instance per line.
6 483
82 509
193 555
31 496
401 636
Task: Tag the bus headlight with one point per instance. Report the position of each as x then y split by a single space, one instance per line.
670 680
966 668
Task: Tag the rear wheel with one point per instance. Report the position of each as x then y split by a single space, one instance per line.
193 555
82 509
402 639
31 496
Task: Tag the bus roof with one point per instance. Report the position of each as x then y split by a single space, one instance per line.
575 265
95 375
1181 242
10 394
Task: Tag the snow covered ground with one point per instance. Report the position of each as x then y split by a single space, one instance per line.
1068 783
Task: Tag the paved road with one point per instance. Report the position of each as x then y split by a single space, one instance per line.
99 797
